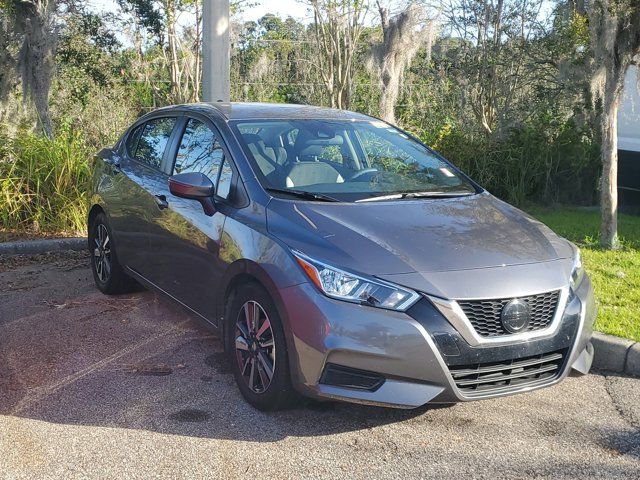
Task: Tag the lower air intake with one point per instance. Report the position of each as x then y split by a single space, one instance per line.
346 377
482 379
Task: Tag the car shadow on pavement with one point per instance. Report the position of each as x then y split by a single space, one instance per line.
193 394
138 362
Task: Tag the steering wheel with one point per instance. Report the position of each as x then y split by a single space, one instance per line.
364 172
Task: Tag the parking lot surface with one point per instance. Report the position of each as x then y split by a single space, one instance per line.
131 387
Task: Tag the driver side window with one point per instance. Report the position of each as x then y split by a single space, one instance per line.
200 151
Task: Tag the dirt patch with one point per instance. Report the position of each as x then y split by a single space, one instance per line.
63 259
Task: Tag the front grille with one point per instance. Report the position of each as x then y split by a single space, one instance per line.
499 377
484 315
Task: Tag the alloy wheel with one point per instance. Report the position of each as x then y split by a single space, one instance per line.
255 347
102 253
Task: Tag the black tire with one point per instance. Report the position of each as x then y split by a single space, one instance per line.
278 394
108 274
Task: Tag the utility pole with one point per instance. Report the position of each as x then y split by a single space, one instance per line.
216 51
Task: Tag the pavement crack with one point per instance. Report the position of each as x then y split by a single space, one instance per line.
616 404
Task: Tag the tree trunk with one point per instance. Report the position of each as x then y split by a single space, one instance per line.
401 42
609 182
174 67
7 67
197 80
389 97
37 63
337 28
615 40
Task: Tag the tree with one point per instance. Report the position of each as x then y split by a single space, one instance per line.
7 61
403 36
495 56
183 62
615 39
271 60
338 25
33 21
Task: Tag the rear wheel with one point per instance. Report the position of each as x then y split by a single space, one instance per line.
257 349
108 274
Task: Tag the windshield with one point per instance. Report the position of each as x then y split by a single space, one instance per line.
346 160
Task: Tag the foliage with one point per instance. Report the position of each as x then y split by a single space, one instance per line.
541 145
615 274
43 182
271 61
85 53
558 164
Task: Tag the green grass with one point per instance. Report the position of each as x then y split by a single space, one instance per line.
615 274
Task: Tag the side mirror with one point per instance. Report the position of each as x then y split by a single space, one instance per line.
195 186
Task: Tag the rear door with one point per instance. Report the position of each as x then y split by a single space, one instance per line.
184 241
133 201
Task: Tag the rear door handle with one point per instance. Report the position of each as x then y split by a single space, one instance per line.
161 201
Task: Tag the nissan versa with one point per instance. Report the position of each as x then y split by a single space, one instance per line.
338 256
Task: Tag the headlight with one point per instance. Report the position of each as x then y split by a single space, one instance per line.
577 271
341 285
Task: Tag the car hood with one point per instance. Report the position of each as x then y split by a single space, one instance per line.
421 235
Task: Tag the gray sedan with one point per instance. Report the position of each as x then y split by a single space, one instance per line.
338 257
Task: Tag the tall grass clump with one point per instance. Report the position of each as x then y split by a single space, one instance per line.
43 182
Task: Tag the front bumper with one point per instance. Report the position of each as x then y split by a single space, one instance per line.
414 352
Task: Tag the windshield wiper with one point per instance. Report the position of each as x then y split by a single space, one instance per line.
303 194
402 195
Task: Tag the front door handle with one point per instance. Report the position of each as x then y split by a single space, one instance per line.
161 201
115 165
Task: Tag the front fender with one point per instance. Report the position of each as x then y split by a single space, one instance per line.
251 253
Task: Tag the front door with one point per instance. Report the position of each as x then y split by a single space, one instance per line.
185 242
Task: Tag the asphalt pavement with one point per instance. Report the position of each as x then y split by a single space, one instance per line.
131 387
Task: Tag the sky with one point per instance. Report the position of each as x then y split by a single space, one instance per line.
281 8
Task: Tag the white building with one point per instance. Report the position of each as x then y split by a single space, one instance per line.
629 141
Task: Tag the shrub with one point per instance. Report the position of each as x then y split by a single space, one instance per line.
531 163
43 182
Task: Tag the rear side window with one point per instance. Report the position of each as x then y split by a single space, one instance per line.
153 141
199 151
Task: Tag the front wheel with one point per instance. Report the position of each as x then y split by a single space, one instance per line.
257 349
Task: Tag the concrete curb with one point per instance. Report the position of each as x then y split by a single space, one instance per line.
41 246
616 354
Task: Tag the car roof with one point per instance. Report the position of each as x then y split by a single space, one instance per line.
263 111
